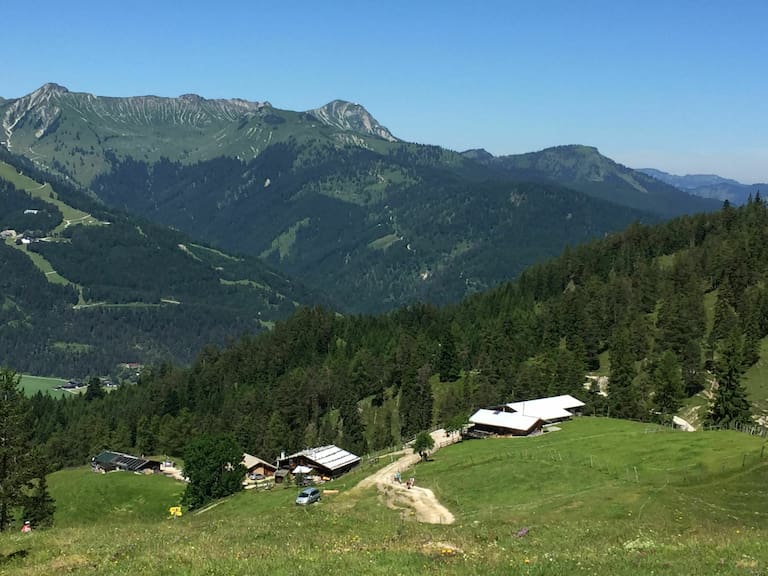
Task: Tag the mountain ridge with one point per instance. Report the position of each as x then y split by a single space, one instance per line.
330 196
709 185
44 107
583 168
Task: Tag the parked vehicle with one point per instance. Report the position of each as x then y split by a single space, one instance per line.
308 496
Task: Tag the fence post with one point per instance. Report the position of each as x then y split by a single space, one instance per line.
744 460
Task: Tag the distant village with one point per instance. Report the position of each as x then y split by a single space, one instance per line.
127 372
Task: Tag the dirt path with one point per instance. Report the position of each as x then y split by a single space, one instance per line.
420 501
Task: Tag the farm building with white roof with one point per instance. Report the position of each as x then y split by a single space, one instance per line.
505 423
523 418
552 409
330 461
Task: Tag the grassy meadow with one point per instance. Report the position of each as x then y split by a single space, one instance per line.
600 496
33 384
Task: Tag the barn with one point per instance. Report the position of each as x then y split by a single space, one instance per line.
504 423
328 461
108 461
551 409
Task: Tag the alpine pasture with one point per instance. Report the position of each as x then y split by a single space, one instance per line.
600 496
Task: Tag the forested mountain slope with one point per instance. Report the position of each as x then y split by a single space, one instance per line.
674 308
374 230
84 288
583 168
330 195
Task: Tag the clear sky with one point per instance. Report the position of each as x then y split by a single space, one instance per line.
677 85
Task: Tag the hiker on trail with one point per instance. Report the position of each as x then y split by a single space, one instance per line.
27 527
398 479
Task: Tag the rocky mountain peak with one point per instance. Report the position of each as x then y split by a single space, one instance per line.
40 108
350 116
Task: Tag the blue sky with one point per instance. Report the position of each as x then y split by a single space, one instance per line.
676 85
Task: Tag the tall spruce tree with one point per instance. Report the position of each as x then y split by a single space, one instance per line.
668 384
39 506
448 365
730 405
416 403
14 446
623 398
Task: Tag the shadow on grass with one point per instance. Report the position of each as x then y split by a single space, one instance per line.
14 556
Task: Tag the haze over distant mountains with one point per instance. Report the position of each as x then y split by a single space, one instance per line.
709 185
329 195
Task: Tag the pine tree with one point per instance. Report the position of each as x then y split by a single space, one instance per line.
94 390
39 506
448 365
623 399
276 438
730 404
14 446
668 384
693 375
352 428
416 403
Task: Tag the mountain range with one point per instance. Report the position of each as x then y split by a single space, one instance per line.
329 195
709 185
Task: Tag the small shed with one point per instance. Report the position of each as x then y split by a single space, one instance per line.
329 461
281 474
505 423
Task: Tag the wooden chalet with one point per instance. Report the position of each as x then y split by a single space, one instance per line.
255 465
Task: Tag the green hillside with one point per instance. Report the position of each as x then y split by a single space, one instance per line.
668 314
71 271
600 496
377 230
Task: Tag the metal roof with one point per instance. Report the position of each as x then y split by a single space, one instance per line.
330 457
121 461
552 408
509 420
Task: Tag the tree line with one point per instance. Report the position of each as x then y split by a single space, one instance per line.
671 309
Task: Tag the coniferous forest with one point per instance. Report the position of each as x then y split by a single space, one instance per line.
667 310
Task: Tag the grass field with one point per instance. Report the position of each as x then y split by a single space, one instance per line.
46 193
598 497
34 384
